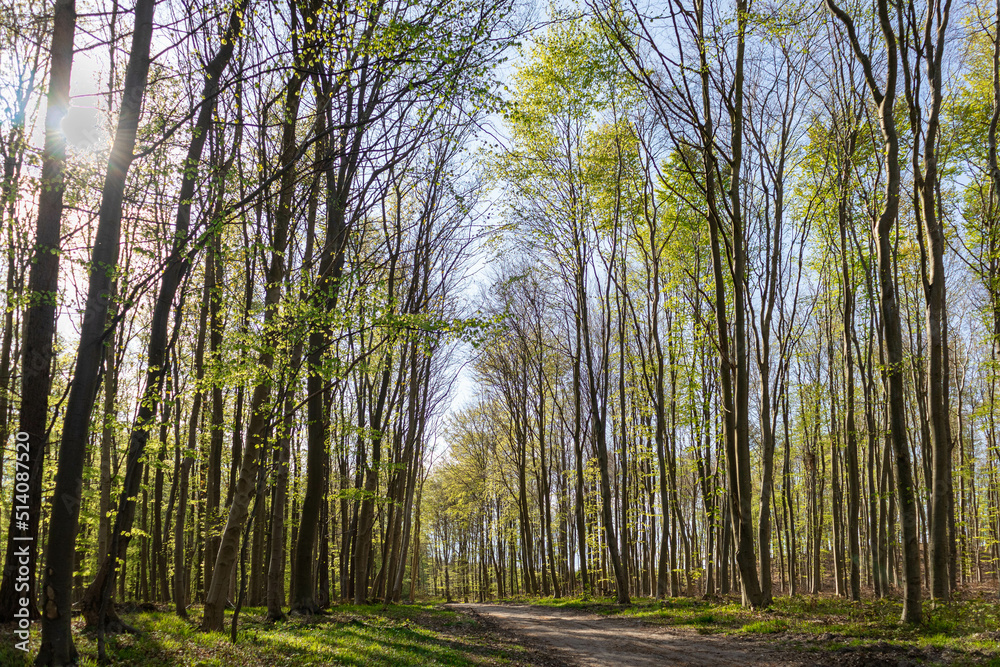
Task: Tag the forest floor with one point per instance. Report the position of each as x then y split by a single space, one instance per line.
798 631
356 635
546 632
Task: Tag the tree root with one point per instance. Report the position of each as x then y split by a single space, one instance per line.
113 623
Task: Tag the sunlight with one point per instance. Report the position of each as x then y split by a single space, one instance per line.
83 130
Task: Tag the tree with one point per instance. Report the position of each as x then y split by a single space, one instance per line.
929 46
680 97
57 641
39 326
885 101
95 602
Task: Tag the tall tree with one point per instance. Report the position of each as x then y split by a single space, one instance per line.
99 593
928 43
682 94
892 334
39 317
57 641
261 417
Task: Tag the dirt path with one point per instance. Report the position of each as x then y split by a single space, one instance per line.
588 640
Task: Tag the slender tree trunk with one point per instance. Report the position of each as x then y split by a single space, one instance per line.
599 417
836 518
225 561
39 330
182 567
733 360
8 339
276 557
98 595
889 305
786 485
159 548
107 440
659 407
363 539
57 641
546 491
581 524
853 468
213 286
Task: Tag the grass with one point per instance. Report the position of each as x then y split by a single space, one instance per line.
766 627
421 634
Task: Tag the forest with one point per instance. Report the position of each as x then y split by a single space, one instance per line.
374 331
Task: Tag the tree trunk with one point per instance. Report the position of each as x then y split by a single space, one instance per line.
214 282
581 524
735 399
98 595
331 261
889 305
107 437
599 417
276 558
57 641
225 561
853 468
931 241
39 329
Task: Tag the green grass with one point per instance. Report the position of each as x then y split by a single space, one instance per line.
423 634
766 627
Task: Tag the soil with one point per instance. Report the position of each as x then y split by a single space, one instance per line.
575 638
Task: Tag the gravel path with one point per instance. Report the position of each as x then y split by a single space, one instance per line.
588 640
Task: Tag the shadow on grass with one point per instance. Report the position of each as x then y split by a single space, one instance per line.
348 635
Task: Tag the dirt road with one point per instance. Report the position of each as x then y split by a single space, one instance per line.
588 640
